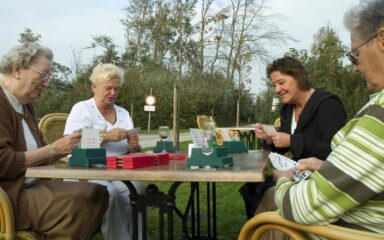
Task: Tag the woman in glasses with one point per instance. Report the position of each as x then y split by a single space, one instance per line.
309 119
51 208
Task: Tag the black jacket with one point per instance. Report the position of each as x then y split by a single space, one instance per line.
323 115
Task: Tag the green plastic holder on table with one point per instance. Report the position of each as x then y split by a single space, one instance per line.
218 158
167 145
86 157
235 146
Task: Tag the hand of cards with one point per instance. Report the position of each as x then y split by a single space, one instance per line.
134 130
281 162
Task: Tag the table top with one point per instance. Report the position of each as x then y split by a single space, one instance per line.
248 128
247 167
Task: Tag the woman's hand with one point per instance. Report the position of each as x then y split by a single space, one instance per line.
260 134
312 164
64 145
277 174
115 135
281 139
133 142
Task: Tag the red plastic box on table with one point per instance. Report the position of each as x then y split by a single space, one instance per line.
137 160
177 156
112 162
130 161
161 158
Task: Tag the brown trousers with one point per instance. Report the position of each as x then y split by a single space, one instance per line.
267 204
66 210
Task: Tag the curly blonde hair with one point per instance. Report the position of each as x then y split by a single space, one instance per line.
102 73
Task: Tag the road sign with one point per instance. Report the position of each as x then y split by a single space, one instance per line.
149 108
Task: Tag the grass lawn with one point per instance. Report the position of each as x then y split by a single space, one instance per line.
230 210
229 204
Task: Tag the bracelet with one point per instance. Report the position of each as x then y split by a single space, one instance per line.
52 153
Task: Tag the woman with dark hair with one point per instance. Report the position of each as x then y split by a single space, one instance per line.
309 119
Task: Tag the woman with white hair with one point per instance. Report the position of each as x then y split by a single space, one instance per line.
106 80
51 208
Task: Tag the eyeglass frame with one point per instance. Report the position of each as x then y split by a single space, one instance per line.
44 76
352 56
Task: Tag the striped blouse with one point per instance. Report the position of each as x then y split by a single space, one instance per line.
349 187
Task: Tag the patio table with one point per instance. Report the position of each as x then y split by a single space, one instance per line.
247 167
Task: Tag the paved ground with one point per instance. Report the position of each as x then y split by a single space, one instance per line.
149 140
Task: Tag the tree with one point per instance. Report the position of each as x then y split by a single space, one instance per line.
327 70
250 31
110 50
29 36
137 23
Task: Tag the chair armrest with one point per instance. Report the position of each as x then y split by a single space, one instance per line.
260 223
7 224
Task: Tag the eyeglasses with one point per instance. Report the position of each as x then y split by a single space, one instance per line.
44 76
352 56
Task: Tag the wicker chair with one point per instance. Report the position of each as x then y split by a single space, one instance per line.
202 119
7 223
256 226
52 126
277 123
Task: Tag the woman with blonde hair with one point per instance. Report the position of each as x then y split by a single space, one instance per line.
106 80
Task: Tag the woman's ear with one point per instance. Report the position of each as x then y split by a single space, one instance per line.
380 38
16 72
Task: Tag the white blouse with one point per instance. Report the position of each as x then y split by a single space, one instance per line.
85 112
293 122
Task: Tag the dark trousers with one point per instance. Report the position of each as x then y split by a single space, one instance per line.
252 194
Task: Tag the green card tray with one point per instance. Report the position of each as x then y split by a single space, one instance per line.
86 157
168 145
235 146
218 158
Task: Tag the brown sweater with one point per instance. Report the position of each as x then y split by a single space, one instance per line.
12 156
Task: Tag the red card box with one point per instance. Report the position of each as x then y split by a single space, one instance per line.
112 162
161 158
137 161
130 161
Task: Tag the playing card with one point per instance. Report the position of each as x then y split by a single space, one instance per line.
283 163
134 130
269 129
280 162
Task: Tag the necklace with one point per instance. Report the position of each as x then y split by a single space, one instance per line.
11 98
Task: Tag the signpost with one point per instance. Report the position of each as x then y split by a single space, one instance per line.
149 107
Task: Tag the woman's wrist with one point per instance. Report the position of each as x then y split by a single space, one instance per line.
52 153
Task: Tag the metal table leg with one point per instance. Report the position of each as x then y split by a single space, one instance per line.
138 206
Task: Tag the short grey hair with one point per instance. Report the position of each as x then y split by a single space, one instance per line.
365 19
23 56
102 73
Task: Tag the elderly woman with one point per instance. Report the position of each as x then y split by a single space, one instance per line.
51 208
347 189
106 81
309 119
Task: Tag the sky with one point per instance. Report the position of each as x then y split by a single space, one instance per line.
67 26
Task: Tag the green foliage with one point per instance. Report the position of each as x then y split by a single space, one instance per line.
29 36
162 52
